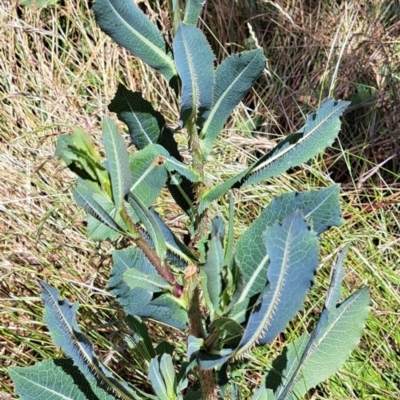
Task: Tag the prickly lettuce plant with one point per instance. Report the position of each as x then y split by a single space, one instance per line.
229 295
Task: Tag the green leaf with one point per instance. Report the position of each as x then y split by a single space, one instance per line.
118 161
150 223
162 377
149 173
82 158
130 28
337 334
321 210
84 198
319 132
212 269
153 283
60 317
293 252
233 78
313 358
219 190
174 245
55 379
144 123
140 302
140 342
194 61
263 394
192 11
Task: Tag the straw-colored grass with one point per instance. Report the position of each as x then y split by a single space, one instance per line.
58 71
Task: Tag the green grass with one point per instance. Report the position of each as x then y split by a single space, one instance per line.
58 71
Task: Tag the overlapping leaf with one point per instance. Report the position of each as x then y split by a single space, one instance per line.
144 122
311 359
60 318
293 252
82 158
319 132
126 24
233 78
321 210
162 377
194 62
138 301
85 198
117 161
192 11
56 379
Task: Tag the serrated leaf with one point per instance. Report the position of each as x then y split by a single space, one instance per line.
60 317
118 161
192 11
321 210
130 28
293 252
319 132
55 379
140 302
194 61
336 335
150 224
233 78
312 358
84 198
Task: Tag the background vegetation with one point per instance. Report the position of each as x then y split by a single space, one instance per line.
58 71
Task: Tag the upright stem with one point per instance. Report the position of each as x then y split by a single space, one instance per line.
207 381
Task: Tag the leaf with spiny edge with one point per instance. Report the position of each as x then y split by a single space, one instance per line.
127 25
233 79
319 132
56 379
60 318
337 333
194 61
293 252
321 210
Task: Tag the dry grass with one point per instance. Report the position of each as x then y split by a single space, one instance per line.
57 71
